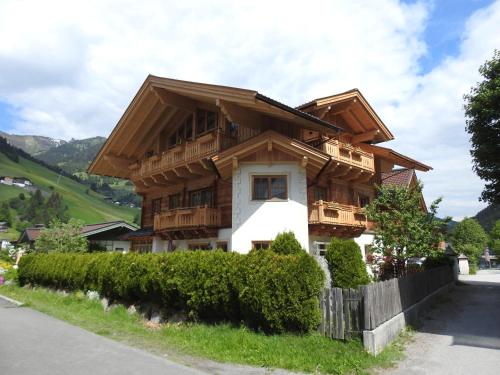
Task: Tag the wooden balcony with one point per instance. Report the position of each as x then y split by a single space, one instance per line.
182 155
187 218
335 219
349 155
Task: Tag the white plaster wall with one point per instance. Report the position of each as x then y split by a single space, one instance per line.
125 245
263 220
362 241
159 245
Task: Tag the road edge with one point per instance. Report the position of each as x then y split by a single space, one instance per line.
17 303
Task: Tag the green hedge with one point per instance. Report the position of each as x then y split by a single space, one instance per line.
266 291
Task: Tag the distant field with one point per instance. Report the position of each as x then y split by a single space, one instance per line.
91 208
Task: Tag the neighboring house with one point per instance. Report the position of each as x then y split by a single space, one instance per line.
223 167
6 180
108 236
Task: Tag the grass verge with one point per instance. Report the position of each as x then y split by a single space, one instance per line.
224 343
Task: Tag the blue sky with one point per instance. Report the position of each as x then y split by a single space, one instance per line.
69 69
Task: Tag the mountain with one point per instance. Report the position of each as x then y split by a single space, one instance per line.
73 156
488 216
32 144
82 202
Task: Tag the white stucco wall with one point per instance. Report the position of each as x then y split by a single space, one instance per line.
112 245
362 241
263 220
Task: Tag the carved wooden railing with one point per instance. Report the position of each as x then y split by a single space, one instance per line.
322 212
184 218
348 154
204 146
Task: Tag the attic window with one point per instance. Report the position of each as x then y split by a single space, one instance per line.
205 121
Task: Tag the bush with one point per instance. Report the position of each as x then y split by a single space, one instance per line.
280 293
346 264
265 290
286 243
438 261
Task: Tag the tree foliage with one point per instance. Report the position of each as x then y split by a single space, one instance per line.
495 238
482 111
346 264
285 243
403 229
62 237
469 238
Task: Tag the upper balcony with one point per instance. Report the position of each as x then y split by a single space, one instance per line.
188 218
350 155
322 212
185 155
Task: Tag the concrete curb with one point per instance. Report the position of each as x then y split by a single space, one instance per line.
376 340
13 301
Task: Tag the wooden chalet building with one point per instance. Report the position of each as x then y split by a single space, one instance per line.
223 167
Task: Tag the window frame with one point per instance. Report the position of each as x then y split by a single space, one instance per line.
316 189
200 191
170 199
155 206
205 129
266 243
269 189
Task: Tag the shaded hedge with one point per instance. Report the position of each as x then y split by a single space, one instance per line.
265 290
346 264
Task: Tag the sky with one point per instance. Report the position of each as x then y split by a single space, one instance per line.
69 69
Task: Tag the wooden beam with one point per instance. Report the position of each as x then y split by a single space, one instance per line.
304 161
174 100
235 162
363 137
149 137
143 120
197 169
239 115
118 162
182 173
322 114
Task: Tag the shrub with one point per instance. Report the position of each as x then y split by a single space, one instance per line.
346 264
280 293
438 261
286 243
265 290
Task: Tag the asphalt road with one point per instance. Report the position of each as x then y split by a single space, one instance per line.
461 335
32 343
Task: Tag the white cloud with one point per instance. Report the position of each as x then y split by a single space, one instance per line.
72 67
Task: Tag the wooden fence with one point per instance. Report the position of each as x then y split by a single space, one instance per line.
347 312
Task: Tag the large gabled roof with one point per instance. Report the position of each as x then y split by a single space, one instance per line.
151 109
396 157
352 102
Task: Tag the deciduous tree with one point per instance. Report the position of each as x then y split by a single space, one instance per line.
482 111
469 238
62 237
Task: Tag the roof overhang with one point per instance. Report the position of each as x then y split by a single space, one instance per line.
159 100
111 226
355 110
396 157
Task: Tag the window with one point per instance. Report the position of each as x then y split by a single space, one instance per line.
201 198
172 140
205 121
200 246
232 129
269 187
261 245
222 245
174 201
149 153
155 206
319 193
364 200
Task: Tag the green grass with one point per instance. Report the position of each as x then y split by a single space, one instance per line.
224 343
90 208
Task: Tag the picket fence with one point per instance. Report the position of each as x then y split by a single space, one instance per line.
347 312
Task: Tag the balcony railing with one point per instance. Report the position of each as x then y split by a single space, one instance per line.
322 212
187 218
348 154
204 146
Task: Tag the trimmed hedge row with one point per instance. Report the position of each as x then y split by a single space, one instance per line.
264 290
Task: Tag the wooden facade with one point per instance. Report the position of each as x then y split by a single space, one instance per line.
179 143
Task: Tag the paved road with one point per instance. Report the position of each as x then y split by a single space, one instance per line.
461 335
34 343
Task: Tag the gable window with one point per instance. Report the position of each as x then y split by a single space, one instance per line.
261 245
205 121
269 187
202 197
319 193
155 206
174 201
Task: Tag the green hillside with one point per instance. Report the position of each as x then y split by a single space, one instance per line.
83 203
32 144
488 216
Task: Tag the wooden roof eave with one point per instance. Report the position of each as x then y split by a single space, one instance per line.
396 157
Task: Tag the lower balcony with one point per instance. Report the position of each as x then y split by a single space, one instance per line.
188 222
331 218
